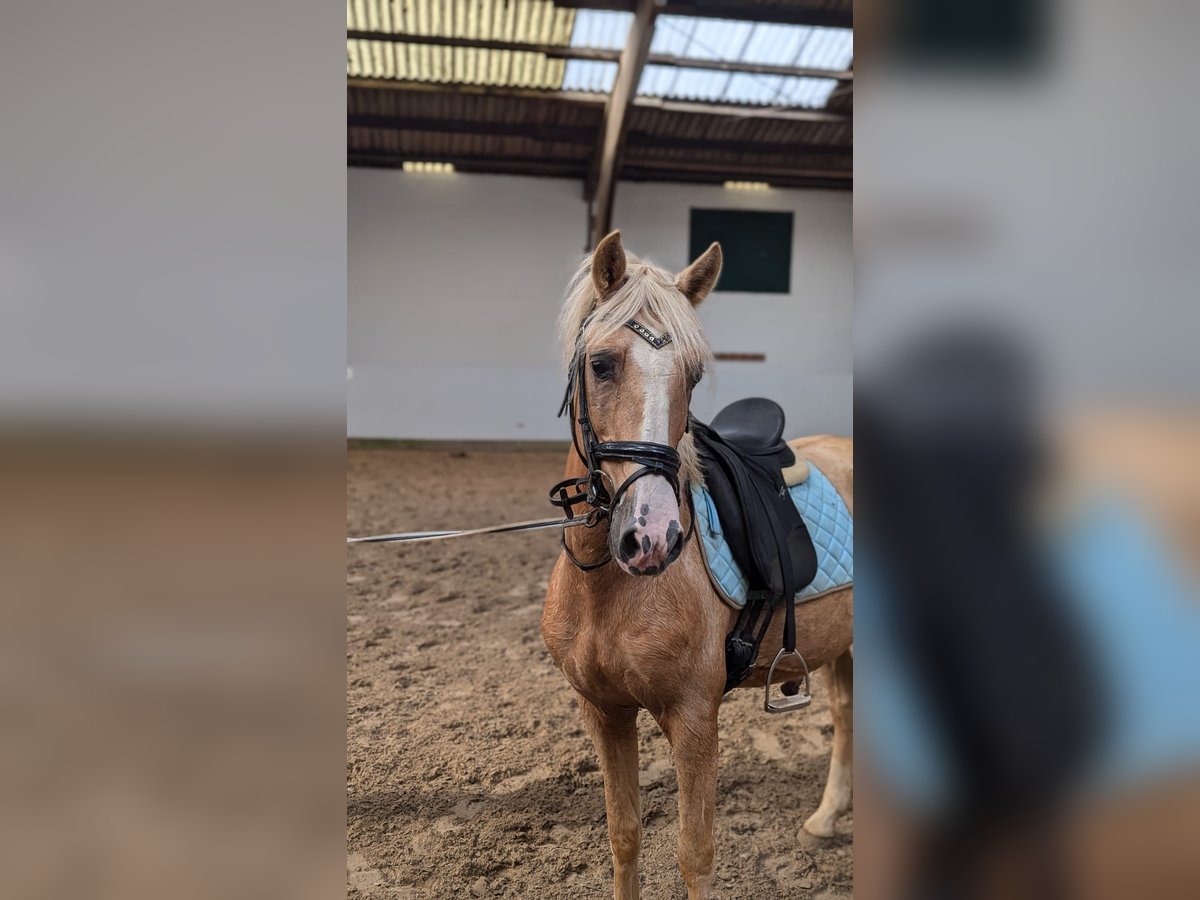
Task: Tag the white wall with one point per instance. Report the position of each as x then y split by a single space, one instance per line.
456 281
805 334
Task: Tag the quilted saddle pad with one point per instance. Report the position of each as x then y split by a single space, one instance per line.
829 523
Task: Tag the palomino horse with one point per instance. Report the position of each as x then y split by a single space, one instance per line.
648 630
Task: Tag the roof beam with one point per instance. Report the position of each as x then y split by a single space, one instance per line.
479 90
751 172
491 164
720 65
586 134
634 170
634 173
629 73
783 14
557 51
538 131
744 111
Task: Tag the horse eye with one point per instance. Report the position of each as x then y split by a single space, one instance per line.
602 368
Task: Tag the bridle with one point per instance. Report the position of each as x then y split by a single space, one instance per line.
591 489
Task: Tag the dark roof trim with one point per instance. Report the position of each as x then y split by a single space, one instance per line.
735 110
587 135
783 14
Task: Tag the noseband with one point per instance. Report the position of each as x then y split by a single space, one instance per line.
652 458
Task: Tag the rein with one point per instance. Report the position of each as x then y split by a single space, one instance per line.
413 537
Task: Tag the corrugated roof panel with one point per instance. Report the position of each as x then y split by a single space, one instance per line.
762 90
828 48
718 39
681 83
775 45
442 65
657 81
763 43
767 43
812 93
527 21
654 120
672 34
541 21
524 21
601 29
589 75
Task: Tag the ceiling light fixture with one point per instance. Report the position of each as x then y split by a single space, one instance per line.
429 168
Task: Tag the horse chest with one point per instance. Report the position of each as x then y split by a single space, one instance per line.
626 662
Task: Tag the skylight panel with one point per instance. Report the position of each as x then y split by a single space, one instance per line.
828 48
762 90
672 34
589 75
657 81
698 38
812 93
775 45
719 39
601 29
690 84
765 43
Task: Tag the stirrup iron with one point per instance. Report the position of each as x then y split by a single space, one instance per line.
784 703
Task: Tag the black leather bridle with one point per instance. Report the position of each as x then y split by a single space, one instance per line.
591 489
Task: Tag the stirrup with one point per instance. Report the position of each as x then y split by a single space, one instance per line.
785 703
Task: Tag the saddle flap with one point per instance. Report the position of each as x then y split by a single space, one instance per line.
766 536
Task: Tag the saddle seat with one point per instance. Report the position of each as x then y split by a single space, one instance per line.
753 425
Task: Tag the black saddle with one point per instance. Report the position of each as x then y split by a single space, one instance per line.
742 453
754 426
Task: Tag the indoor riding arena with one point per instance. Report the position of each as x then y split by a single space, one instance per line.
492 145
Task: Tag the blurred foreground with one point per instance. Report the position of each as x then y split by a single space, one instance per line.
170 691
172 372
1028 426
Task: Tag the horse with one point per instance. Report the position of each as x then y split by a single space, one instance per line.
631 618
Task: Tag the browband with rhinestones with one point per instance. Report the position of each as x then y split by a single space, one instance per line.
647 335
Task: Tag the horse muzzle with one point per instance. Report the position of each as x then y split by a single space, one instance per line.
645 536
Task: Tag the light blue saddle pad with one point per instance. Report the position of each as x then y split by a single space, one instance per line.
828 521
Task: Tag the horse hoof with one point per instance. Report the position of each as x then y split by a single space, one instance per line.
819 826
790 688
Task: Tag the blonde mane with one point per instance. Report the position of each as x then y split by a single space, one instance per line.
649 295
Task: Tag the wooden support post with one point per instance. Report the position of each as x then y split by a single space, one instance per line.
629 73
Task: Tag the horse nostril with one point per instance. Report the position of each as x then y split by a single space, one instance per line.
629 545
674 539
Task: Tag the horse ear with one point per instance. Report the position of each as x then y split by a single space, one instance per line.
608 265
698 279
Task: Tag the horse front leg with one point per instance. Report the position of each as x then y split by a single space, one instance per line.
692 732
614 732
